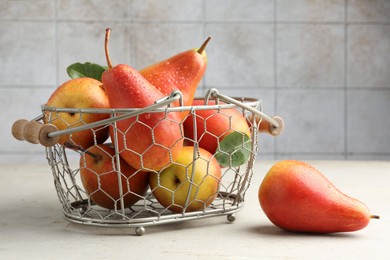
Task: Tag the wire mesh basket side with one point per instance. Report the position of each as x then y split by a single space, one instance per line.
78 206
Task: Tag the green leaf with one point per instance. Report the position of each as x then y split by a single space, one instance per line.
88 69
234 149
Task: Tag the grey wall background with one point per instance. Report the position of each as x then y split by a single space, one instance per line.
324 66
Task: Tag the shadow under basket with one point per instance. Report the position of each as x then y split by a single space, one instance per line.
68 162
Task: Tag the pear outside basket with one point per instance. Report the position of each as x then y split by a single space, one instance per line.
66 164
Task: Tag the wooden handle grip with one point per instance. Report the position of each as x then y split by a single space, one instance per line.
18 129
34 132
267 127
44 138
31 132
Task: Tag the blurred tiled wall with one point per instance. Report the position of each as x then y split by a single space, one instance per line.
324 66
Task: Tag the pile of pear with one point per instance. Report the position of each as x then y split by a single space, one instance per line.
152 142
122 86
294 195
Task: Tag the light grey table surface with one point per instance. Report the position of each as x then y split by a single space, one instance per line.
33 227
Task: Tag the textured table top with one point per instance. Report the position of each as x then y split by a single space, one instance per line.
32 223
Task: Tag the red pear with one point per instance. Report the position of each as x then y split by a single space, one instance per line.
150 141
180 72
99 176
213 125
297 197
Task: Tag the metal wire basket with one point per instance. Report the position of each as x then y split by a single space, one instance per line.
68 162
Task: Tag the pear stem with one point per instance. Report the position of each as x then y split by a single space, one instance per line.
375 217
107 38
79 148
201 49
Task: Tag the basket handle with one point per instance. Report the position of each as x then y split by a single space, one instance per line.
266 124
266 127
48 134
34 132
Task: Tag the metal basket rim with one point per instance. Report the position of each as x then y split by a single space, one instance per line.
252 102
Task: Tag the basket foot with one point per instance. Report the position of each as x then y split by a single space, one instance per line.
140 231
231 218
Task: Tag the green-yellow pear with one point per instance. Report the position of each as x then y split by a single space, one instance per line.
79 93
188 184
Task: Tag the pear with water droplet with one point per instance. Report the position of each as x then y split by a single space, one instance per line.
150 141
182 72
